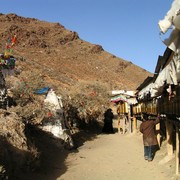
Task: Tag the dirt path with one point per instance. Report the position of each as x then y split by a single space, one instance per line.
98 157
113 157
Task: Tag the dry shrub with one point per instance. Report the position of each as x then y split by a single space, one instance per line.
29 82
29 105
87 105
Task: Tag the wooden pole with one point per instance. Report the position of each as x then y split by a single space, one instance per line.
177 150
119 124
158 134
169 137
134 124
130 124
129 118
124 125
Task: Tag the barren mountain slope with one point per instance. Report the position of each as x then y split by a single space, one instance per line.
62 58
47 54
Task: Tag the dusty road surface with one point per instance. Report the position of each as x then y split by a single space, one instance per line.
99 157
114 157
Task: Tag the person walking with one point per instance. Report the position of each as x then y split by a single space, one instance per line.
147 128
108 121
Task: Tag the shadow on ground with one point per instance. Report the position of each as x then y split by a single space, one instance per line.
51 162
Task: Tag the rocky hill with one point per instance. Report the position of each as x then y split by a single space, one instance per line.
63 59
47 54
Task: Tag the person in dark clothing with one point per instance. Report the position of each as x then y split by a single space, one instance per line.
108 121
147 128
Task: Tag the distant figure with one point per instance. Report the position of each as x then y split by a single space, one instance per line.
147 128
108 121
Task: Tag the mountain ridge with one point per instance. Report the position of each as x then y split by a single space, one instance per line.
65 59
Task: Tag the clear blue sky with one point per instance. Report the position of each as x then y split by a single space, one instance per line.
126 28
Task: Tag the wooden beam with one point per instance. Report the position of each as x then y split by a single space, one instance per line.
130 123
177 150
169 129
134 124
158 134
119 124
124 124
